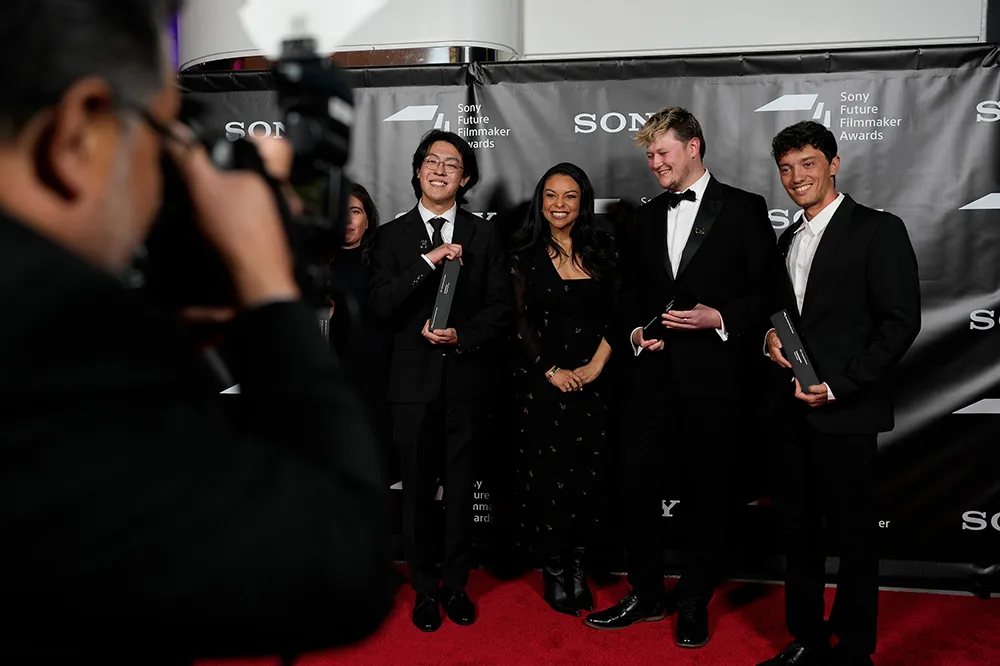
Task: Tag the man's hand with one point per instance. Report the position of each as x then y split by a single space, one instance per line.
701 317
774 350
588 373
445 251
649 345
447 336
237 213
816 397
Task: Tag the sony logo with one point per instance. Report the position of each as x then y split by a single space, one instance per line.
982 320
612 123
237 129
976 521
988 111
780 217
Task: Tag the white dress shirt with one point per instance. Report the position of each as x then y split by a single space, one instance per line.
801 252
680 221
447 229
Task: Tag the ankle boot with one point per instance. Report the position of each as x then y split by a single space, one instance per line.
556 594
576 580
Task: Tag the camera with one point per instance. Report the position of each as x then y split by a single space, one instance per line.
180 268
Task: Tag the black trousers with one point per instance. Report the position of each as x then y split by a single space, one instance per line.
693 440
831 477
437 441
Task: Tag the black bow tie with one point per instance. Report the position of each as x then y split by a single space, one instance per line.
674 198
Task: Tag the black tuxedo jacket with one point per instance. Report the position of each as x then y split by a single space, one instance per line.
403 290
725 265
140 505
860 314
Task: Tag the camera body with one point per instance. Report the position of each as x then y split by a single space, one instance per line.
180 268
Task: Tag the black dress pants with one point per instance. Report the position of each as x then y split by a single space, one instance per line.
436 440
822 476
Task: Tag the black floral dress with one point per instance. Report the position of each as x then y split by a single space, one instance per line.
562 438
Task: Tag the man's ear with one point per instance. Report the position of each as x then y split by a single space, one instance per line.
69 149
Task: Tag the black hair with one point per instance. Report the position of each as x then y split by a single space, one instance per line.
371 212
800 135
591 254
49 45
470 167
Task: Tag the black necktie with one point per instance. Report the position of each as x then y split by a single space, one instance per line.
436 238
674 198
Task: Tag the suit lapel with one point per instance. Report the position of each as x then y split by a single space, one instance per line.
784 247
660 214
708 212
820 270
416 232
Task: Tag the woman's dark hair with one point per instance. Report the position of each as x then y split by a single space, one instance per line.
589 253
470 167
371 212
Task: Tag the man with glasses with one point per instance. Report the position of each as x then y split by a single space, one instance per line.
136 509
440 381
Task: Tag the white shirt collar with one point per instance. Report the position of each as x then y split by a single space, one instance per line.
426 215
822 219
701 185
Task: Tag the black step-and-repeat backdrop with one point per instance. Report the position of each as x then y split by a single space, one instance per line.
919 135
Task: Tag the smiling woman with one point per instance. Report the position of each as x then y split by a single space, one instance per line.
565 286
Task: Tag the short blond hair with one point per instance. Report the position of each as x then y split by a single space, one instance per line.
675 118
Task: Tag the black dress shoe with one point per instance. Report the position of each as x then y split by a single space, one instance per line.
556 592
459 606
426 614
628 611
692 623
576 579
797 654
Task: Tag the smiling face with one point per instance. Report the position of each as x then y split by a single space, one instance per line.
357 223
561 202
807 176
675 164
440 175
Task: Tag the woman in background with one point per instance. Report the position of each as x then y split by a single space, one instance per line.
362 345
565 281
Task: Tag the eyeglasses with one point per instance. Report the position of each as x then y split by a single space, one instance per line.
164 132
450 166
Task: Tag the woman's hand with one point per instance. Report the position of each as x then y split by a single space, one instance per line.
566 380
590 372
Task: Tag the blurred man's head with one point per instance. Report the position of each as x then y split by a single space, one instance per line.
88 93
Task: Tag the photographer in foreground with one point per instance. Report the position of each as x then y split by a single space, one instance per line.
139 521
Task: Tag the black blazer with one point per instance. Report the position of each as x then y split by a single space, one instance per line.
403 290
136 498
725 265
860 314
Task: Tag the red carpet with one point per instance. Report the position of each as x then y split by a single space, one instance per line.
516 627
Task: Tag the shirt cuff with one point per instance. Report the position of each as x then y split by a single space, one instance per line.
429 262
635 348
723 333
829 393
